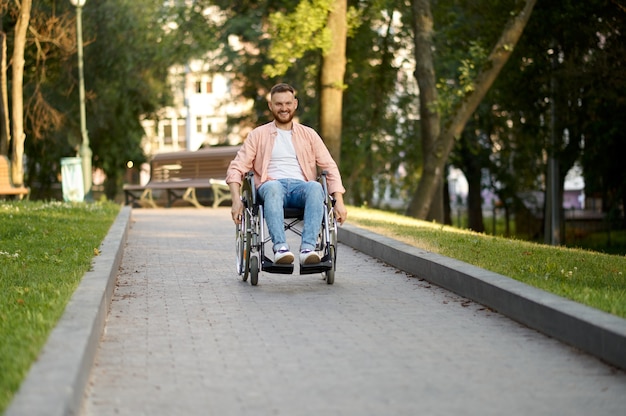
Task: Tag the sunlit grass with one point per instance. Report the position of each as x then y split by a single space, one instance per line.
45 249
595 279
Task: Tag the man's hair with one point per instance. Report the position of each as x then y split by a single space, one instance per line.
282 88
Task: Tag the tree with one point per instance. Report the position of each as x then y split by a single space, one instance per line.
285 42
18 135
5 135
128 50
255 64
332 79
429 111
570 64
380 108
323 25
131 85
472 156
438 145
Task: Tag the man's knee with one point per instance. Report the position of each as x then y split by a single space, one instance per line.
314 190
271 190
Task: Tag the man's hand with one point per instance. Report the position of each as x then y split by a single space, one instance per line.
236 210
341 213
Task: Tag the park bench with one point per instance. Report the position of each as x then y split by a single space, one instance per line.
180 174
7 189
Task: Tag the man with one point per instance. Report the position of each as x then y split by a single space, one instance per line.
285 156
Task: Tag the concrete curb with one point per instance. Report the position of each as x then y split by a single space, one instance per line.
598 333
56 382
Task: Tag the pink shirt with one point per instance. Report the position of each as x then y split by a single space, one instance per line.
256 151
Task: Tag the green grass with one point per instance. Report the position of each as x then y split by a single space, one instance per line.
45 249
591 278
602 241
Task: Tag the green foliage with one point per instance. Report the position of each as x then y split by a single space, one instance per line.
296 33
129 46
127 66
248 22
451 92
465 32
379 122
46 248
293 34
375 136
565 72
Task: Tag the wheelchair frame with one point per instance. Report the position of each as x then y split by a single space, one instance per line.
251 239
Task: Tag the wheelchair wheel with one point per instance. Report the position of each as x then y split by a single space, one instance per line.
243 251
239 250
330 273
254 270
331 245
244 245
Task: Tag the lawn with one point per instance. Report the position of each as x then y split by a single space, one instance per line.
45 249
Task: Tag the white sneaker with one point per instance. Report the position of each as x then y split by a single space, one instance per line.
283 256
309 257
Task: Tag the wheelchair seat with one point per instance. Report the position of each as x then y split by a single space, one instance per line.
297 213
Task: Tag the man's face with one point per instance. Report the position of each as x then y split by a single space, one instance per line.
283 107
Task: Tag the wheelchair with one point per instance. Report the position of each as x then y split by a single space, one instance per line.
251 239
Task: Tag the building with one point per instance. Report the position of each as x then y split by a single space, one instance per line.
204 102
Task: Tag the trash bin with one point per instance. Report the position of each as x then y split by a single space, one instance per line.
72 179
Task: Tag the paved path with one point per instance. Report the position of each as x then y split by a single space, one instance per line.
185 336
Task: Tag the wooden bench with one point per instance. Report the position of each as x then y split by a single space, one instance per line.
181 174
6 185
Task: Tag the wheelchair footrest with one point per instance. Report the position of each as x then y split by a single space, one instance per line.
321 267
271 267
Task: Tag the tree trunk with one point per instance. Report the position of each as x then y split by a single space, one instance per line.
437 210
474 200
333 70
440 146
5 131
21 26
425 75
471 161
447 211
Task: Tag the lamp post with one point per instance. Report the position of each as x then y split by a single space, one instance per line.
84 151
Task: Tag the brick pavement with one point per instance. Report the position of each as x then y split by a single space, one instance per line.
186 336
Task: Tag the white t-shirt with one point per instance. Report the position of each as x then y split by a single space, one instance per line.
284 163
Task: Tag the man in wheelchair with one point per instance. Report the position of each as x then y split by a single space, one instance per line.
284 157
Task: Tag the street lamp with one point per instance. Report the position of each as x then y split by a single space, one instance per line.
84 152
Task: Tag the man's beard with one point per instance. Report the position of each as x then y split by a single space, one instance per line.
280 119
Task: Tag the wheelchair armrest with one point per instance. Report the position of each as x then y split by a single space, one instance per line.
323 181
248 188
250 177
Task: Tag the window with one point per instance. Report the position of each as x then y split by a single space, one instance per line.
167 133
182 133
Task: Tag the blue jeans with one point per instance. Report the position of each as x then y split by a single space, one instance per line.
292 193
